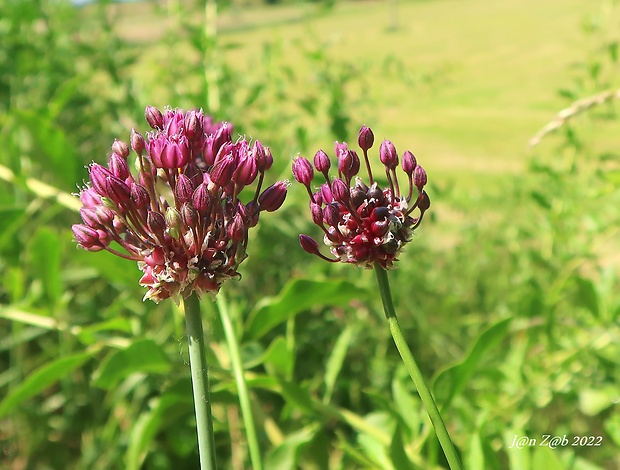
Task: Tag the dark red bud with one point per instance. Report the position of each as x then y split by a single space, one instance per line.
118 166
365 138
189 215
409 162
184 189
201 199
246 172
87 237
98 175
222 171
139 195
308 244
154 117
303 171
340 191
156 223
317 213
322 162
120 148
419 177
117 190
193 125
236 229
331 214
388 155
424 202
89 217
137 142
273 197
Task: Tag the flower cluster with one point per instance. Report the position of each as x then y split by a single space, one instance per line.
180 217
363 223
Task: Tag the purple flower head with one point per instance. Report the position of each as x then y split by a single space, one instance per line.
364 222
181 216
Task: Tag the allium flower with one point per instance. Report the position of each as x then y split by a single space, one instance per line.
180 215
363 223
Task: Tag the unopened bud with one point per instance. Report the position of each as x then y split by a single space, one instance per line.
173 222
365 138
388 155
273 197
120 148
419 177
303 171
409 162
154 117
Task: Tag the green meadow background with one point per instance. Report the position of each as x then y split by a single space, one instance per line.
508 293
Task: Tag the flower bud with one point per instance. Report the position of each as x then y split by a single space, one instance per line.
322 162
424 202
340 191
156 224
409 162
89 217
236 229
365 138
303 171
331 214
246 172
184 189
419 177
89 198
193 125
308 244
189 215
118 166
201 199
173 222
388 155
120 148
87 237
117 190
222 171
154 117
317 213
137 142
98 175
273 197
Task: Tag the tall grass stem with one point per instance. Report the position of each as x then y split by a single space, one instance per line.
414 371
200 382
242 387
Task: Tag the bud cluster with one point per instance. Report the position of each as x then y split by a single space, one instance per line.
363 223
179 214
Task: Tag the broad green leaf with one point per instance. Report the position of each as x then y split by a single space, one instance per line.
278 358
398 456
40 379
165 409
44 252
519 456
297 396
547 458
453 380
141 356
612 425
336 359
286 455
10 222
594 400
587 296
296 296
475 453
407 404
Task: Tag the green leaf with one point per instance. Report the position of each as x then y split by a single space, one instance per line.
44 251
286 455
278 358
40 379
587 296
166 409
141 356
547 458
453 380
397 451
336 359
297 296
297 396
475 453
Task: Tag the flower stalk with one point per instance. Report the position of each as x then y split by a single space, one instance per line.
414 371
200 382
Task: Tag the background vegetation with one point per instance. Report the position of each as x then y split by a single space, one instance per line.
509 293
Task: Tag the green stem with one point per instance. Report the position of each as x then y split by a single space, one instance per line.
414 371
200 382
242 387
